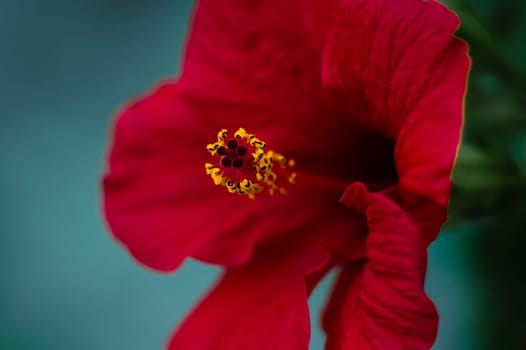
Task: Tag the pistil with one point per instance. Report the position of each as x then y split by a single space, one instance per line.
246 167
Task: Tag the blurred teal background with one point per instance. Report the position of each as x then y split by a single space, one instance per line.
65 67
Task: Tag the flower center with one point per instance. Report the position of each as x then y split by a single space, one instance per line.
245 166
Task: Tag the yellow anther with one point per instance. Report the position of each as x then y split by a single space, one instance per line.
292 178
257 143
257 155
213 147
221 136
241 133
209 168
245 184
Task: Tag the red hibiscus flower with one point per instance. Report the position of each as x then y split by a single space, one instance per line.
366 98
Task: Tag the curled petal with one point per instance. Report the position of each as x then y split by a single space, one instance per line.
401 72
380 303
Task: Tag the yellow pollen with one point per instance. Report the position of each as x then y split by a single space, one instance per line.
246 167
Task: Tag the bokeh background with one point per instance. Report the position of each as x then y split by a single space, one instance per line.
66 67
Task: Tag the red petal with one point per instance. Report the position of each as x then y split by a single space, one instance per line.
147 184
257 64
263 55
262 305
402 72
385 56
160 203
381 304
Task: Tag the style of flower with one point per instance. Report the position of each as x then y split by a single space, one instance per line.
339 123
